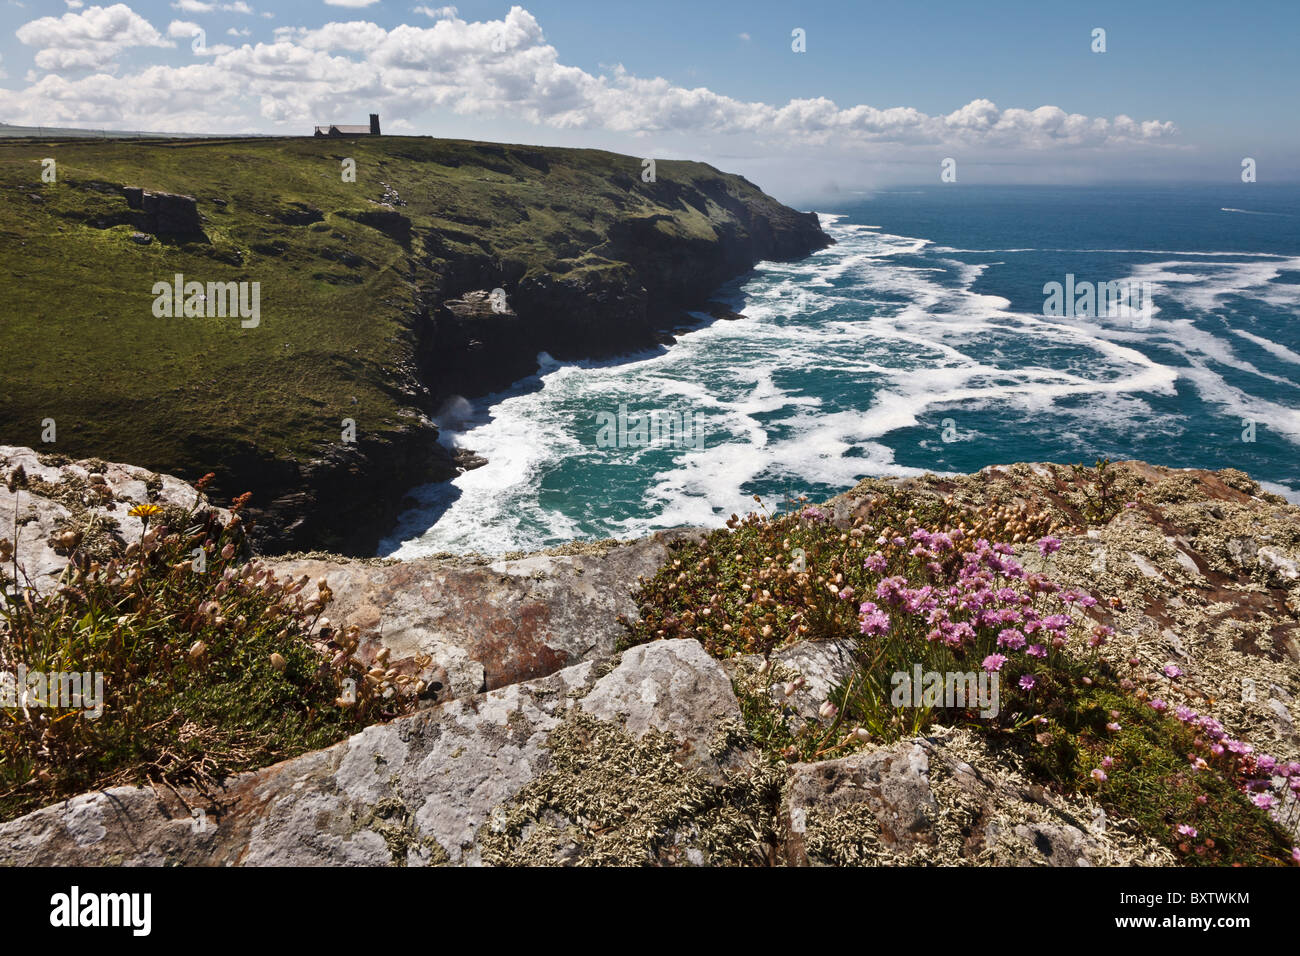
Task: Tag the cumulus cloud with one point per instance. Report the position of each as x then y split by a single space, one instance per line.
89 39
437 13
502 68
204 6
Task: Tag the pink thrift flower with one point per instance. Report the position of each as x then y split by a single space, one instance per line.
1010 637
1158 705
1028 681
1036 650
1187 831
875 624
1264 801
1173 670
1049 545
994 662
1099 775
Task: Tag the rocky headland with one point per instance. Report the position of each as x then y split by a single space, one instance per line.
436 268
544 737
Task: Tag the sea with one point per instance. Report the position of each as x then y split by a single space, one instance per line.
949 328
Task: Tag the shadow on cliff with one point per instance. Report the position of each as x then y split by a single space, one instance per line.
459 415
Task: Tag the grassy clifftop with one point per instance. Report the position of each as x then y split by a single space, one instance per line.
353 280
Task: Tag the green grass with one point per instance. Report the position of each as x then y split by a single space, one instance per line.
190 395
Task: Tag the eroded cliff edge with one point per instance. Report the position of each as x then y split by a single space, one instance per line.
376 301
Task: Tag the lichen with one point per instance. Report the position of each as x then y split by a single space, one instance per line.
393 820
607 799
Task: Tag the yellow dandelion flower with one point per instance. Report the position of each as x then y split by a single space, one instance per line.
145 511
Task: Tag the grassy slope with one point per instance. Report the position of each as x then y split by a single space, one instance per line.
82 346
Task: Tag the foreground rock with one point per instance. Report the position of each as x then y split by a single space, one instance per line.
434 787
631 762
489 624
88 499
557 750
943 799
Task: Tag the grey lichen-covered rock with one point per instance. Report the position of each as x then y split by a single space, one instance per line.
944 799
822 665
489 624
89 499
668 686
419 790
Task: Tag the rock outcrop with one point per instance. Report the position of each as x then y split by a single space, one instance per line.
164 214
60 504
489 624
429 788
548 746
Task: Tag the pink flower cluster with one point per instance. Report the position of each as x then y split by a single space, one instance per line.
1257 770
981 597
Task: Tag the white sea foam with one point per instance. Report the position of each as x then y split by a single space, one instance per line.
910 339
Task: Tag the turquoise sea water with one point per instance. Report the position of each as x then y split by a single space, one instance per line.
918 342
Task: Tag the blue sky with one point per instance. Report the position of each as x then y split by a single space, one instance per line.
884 91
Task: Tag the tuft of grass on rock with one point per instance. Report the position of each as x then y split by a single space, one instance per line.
209 663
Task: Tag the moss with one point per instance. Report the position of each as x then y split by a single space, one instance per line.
844 836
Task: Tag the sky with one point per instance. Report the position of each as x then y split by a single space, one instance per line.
880 93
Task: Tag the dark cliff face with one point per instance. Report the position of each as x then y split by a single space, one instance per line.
371 300
470 351
464 345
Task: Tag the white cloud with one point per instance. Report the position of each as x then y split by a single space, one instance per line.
503 69
437 13
354 4
88 40
239 33
183 29
74 4
204 6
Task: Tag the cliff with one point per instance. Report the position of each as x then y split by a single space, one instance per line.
374 264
